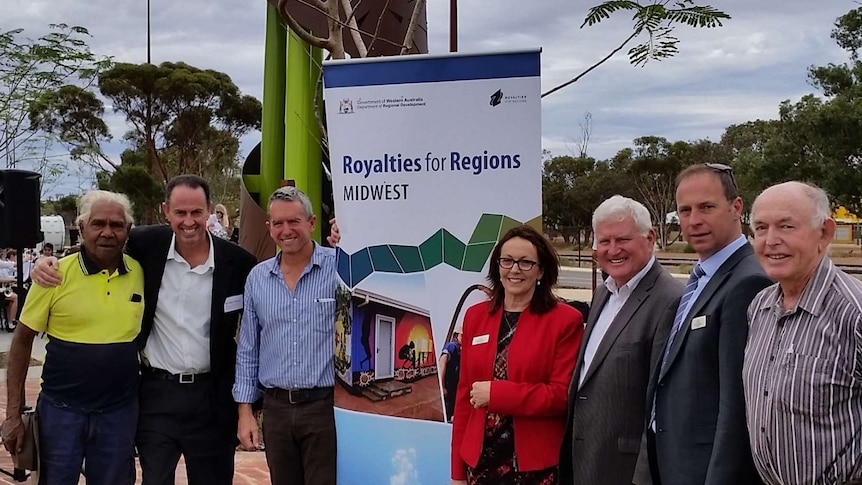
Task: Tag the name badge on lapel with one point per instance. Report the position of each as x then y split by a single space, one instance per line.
698 322
233 303
481 339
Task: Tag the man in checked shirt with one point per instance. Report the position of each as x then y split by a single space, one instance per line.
803 363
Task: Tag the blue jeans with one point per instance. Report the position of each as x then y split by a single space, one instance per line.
102 442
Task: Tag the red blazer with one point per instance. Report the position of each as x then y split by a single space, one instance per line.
542 358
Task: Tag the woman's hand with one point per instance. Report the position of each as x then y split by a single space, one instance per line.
480 394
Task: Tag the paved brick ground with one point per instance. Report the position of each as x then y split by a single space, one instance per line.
250 466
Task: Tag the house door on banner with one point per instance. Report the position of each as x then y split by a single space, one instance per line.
385 368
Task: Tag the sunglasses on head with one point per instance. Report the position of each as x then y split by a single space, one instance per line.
722 168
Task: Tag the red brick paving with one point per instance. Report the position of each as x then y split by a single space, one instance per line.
250 467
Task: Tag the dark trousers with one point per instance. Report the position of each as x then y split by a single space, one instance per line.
103 443
300 441
449 401
180 419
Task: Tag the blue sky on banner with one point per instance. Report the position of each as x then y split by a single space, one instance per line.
730 75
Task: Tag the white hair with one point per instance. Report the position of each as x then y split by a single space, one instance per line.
93 197
618 208
816 196
819 202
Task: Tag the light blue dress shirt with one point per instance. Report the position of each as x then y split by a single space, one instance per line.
286 338
710 266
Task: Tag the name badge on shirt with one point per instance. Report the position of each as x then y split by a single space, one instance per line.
481 339
698 322
233 303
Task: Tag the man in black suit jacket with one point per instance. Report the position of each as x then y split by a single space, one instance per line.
186 406
697 432
623 340
193 286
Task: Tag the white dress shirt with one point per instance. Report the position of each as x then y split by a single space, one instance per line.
619 297
179 341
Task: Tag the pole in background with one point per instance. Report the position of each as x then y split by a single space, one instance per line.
453 25
148 32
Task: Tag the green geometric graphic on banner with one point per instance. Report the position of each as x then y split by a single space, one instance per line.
408 257
432 250
383 260
476 255
441 247
453 250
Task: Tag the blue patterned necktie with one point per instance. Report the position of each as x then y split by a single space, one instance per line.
687 294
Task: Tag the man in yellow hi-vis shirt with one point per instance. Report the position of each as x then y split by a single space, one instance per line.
88 407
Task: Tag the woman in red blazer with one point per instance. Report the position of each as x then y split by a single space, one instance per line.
518 353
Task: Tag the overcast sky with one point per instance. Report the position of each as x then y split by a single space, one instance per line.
732 74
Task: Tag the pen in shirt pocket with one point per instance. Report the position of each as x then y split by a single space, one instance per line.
324 300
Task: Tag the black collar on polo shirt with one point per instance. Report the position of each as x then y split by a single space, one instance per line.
89 267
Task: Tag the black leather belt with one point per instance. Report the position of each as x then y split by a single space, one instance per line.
299 396
185 378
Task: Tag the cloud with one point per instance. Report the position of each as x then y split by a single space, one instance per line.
405 472
731 74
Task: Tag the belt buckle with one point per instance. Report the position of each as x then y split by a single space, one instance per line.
187 378
290 397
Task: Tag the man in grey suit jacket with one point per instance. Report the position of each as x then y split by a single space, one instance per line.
622 343
696 431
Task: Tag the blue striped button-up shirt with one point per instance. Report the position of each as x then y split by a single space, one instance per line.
286 339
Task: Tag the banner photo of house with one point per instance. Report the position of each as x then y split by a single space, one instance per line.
387 352
433 159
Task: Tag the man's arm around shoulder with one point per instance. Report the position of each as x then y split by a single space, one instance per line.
141 241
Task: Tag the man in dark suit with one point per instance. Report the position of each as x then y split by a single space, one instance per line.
193 286
696 431
624 337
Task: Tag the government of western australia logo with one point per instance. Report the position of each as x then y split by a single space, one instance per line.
345 106
497 97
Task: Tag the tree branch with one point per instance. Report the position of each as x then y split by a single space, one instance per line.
418 8
377 27
342 24
318 112
336 33
597 64
108 160
354 29
303 34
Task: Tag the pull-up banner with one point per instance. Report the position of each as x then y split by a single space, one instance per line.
433 158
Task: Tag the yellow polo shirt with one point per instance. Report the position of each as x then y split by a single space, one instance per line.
91 320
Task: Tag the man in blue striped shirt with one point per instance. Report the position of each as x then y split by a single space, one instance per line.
285 348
